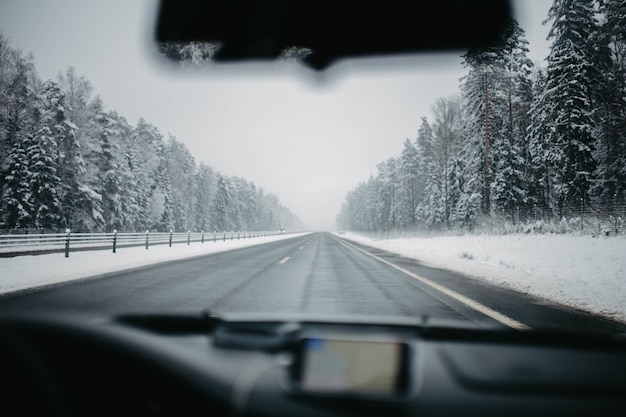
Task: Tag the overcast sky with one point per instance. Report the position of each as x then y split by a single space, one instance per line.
308 142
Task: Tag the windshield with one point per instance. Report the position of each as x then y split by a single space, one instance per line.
483 186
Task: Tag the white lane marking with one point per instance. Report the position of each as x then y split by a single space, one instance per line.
506 320
285 259
301 247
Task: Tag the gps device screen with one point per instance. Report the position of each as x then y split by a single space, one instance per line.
361 366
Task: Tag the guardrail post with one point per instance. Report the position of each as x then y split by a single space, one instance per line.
203 236
224 235
171 233
188 237
67 243
232 235
238 234
147 238
114 239
214 236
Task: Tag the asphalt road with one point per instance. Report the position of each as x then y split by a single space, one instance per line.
316 273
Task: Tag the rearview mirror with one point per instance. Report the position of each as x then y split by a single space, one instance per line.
320 32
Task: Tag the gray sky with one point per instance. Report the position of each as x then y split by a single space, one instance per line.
308 142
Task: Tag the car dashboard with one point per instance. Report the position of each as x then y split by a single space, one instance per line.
265 366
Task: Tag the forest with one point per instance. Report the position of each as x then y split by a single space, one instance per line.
66 162
522 146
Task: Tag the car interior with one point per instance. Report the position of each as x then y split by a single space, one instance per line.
303 365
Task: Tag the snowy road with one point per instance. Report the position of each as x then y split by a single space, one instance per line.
314 273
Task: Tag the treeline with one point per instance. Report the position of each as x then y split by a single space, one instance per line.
518 142
67 162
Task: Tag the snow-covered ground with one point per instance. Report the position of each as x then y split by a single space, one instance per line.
580 271
24 272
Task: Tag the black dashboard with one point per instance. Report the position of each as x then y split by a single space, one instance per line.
261 366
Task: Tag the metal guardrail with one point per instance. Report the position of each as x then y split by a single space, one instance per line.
21 244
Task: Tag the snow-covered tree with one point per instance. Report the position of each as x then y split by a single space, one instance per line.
180 168
16 194
66 161
408 195
74 197
431 209
610 103
566 105
496 93
387 188
222 204
112 178
205 191
18 98
444 145
149 150
44 181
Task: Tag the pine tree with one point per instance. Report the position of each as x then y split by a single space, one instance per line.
150 150
223 200
205 189
17 89
568 102
74 198
180 168
136 181
387 187
408 192
168 218
82 205
44 181
610 103
496 92
109 174
17 194
447 124
539 166
509 188
431 209
479 89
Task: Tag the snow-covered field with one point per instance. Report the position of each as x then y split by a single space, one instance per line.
33 271
579 271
